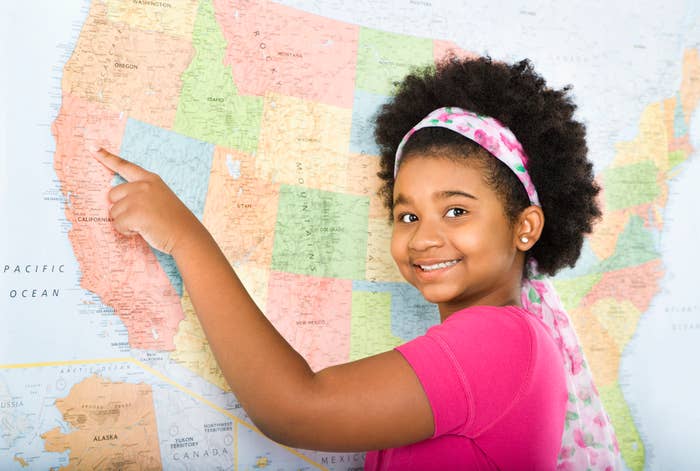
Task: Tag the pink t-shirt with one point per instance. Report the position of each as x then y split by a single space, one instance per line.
495 381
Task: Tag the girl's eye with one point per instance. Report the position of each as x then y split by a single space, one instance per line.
408 217
455 212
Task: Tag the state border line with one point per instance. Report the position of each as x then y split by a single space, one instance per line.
184 389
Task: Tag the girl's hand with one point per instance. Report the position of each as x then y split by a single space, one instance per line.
145 205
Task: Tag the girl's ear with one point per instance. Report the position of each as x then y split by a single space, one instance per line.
529 227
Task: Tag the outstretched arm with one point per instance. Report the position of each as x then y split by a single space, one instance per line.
369 404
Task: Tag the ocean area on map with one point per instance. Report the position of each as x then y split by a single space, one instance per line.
35 235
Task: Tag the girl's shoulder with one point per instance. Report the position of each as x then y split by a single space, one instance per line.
499 334
483 327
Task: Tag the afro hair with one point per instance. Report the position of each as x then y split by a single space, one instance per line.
540 117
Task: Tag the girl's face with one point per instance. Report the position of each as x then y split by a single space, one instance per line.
451 238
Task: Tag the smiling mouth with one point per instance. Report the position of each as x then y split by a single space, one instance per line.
438 266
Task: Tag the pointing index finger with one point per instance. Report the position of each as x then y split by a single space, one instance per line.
126 169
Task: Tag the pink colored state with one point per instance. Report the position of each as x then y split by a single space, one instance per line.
273 48
637 284
122 271
313 314
442 48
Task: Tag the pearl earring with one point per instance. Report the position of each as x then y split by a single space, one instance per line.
524 239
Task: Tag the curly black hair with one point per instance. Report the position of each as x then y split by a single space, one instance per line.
540 117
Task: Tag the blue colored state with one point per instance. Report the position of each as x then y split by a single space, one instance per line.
182 162
364 108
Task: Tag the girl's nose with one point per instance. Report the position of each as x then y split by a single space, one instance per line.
425 236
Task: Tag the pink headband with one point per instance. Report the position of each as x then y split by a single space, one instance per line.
497 139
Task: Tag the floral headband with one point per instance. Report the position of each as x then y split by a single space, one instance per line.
490 134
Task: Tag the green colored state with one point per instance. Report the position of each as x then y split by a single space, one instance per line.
676 157
321 233
370 328
631 446
630 185
210 108
572 291
384 58
635 246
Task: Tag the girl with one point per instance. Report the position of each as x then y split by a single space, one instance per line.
488 187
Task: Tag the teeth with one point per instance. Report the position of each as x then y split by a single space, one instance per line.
437 266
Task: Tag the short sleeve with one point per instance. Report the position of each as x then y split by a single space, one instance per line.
442 381
472 367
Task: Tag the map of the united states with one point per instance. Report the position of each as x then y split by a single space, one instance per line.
259 117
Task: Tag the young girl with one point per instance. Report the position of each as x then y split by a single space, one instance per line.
488 187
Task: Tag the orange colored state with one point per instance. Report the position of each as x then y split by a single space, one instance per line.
121 270
313 315
113 426
273 48
241 210
690 85
127 69
637 284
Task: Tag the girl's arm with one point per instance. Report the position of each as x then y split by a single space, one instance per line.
369 404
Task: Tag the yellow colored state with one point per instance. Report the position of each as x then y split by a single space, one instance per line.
304 143
380 265
599 346
607 230
22 462
192 350
362 180
618 318
173 17
651 144
255 279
